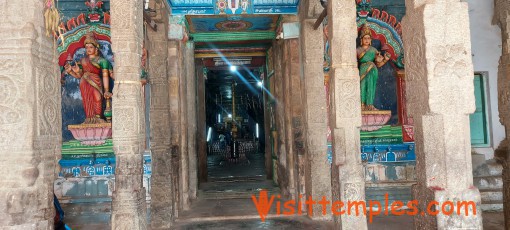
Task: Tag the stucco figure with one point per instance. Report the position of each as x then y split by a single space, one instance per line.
93 72
369 59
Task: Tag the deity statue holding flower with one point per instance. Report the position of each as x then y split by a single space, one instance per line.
94 72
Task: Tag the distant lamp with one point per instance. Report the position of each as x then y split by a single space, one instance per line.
233 68
259 84
209 134
230 116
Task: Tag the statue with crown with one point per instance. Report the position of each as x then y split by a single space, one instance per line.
369 60
380 55
86 61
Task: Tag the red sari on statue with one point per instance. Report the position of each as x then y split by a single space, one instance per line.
91 87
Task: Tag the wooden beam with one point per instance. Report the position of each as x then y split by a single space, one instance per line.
320 19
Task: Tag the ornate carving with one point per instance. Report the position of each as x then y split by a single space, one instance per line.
49 114
25 94
352 191
12 122
346 98
128 118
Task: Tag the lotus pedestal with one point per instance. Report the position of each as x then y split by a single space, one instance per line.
91 134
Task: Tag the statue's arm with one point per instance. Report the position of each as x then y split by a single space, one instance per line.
105 71
75 71
106 81
381 60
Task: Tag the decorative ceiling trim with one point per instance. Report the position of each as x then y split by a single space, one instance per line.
247 49
214 55
231 23
212 7
233 36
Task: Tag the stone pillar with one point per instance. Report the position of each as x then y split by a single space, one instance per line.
201 126
268 158
30 117
439 74
502 18
286 106
183 132
318 169
345 118
161 186
192 119
173 78
128 200
279 95
293 113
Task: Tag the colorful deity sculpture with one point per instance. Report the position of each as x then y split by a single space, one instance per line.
93 71
369 59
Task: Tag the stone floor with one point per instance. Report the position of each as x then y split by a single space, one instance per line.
224 203
491 221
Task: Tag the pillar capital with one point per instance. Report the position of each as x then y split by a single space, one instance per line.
310 9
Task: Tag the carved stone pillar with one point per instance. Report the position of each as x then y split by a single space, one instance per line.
161 185
173 79
502 18
128 200
439 74
293 117
279 96
318 169
183 126
192 119
345 118
30 117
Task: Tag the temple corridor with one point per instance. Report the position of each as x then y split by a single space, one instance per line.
255 114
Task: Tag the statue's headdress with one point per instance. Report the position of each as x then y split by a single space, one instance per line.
365 30
90 39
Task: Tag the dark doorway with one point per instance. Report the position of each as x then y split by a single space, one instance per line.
235 122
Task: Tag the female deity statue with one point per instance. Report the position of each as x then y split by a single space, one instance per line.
368 72
93 72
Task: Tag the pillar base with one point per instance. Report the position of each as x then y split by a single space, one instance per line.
130 210
442 209
48 225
